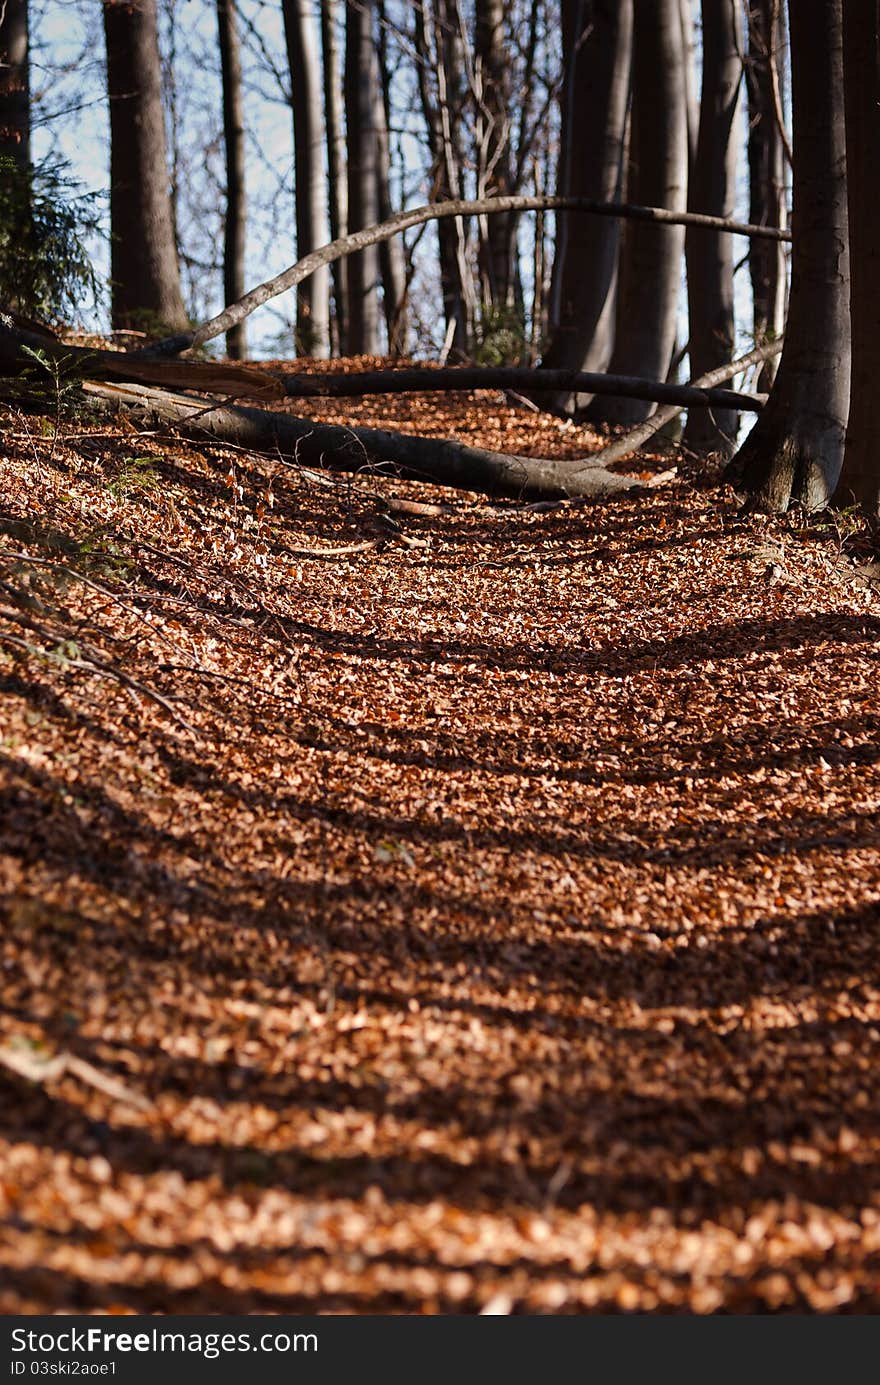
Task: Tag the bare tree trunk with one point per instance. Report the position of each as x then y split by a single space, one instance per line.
713 189
794 453
15 93
692 105
651 258
392 266
363 189
235 224
766 176
313 297
493 125
143 259
860 478
597 41
337 189
438 50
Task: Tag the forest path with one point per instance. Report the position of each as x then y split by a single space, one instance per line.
501 929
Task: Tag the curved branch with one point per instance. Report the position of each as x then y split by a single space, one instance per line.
622 446
402 221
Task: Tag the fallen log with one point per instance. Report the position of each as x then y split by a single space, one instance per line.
22 350
18 348
366 451
425 379
436 211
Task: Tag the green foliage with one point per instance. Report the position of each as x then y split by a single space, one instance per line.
45 268
502 338
136 476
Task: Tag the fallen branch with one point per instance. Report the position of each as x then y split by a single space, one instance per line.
426 379
35 1065
623 446
364 450
16 347
19 347
436 211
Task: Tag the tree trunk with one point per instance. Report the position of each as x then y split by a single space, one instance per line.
363 190
766 176
597 41
691 102
313 296
235 224
794 453
438 48
392 266
15 94
143 259
651 258
337 191
493 123
860 478
713 189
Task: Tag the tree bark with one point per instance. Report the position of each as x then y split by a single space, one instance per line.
651 258
691 101
392 267
363 190
438 51
313 295
235 223
860 477
597 41
713 189
766 175
143 258
794 453
493 122
15 93
337 191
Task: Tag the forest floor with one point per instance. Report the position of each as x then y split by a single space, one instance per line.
483 919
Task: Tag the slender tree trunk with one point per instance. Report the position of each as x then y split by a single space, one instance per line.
860 478
597 38
713 189
337 190
235 225
794 453
651 258
766 176
143 258
392 265
363 190
313 296
691 101
493 125
15 94
438 49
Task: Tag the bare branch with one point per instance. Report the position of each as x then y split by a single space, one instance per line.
427 379
621 447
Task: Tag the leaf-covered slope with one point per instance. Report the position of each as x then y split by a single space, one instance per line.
484 915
